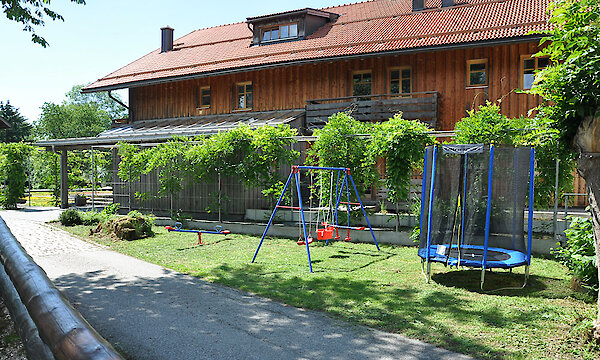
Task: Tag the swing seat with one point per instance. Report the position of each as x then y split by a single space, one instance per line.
325 234
301 242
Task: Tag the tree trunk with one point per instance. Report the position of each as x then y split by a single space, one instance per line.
587 141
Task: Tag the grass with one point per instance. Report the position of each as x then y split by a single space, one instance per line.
40 199
386 290
44 198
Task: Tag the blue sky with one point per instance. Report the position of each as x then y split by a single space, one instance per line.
102 36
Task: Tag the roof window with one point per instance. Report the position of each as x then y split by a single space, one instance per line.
290 25
279 32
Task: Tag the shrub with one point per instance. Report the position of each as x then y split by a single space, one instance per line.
70 217
134 225
578 253
111 209
90 217
13 158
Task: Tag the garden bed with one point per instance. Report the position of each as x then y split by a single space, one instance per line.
385 289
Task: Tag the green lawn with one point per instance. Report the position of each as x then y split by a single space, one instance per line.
385 289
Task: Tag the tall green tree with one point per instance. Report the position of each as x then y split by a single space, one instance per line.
19 128
572 87
32 13
104 102
487 124
79 115
71 121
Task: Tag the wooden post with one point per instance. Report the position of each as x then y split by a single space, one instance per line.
64 181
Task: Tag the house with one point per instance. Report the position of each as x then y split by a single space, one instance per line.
431 59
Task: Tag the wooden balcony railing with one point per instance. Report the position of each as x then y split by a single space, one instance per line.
421 106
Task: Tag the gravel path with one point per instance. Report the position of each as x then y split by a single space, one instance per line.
150 312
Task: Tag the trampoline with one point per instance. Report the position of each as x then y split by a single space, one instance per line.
473 207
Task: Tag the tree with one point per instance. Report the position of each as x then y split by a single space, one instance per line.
31 13
19 128
571 85
71 121
79 115
112 108
487 124
13 172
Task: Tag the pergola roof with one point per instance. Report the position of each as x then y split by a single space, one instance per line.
153 131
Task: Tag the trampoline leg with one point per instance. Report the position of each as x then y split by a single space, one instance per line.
526 275
428 272
482 278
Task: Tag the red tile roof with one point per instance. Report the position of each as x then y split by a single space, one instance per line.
368 27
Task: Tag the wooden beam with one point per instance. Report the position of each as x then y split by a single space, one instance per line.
64 181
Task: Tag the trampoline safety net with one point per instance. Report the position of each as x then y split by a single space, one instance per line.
455 205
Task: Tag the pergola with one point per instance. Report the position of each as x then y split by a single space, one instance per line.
152 132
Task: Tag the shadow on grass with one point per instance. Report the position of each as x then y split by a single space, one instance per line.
405 309
537 286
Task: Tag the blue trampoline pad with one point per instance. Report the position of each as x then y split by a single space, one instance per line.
472 256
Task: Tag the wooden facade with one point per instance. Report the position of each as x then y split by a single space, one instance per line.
291 87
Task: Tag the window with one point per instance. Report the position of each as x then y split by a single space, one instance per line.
280 32
529 66
243 96
361 83
401 80
477 71
204 97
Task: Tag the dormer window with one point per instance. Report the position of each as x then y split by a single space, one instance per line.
290 25
280 32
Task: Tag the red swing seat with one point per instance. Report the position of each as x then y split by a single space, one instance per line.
325 234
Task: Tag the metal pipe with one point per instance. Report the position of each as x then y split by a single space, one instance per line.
287 183
429 210
423 185
24 326
531 200
363 210
67 333
297 176
555 215
93 179
488 214
117 100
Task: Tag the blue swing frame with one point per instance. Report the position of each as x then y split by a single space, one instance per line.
295 174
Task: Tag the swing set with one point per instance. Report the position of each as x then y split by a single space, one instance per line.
327 217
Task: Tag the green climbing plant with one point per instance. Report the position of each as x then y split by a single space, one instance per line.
251 155
341 144
400 142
